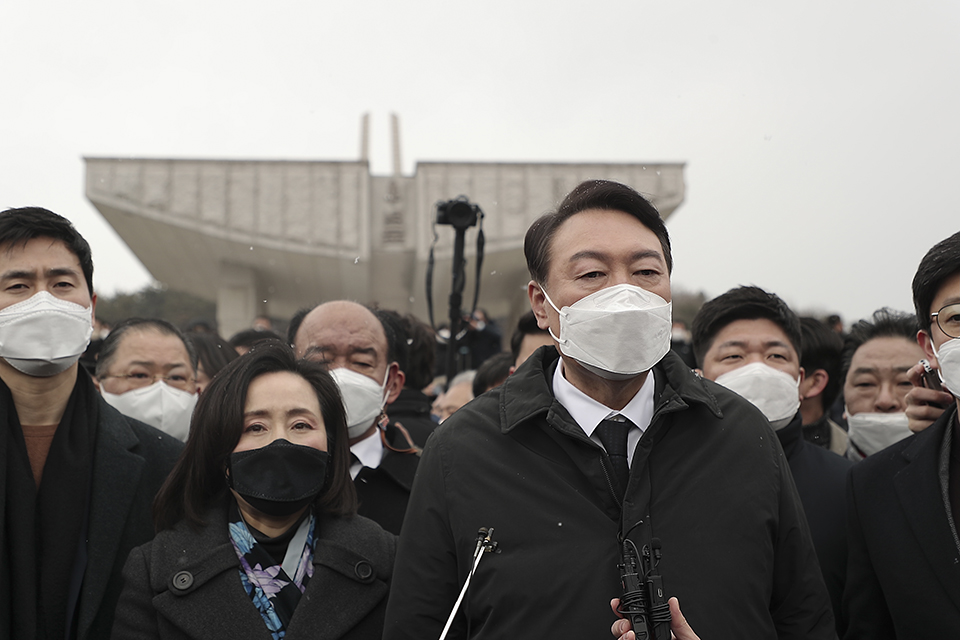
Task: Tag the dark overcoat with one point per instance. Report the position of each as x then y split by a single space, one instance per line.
186 584
903 570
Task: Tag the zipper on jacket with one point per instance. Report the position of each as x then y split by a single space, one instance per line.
606 474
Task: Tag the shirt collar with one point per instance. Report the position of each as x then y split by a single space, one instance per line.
369 450
588 413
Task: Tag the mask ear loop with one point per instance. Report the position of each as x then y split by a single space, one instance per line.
382 427
559 313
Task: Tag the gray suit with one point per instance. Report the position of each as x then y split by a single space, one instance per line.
186 584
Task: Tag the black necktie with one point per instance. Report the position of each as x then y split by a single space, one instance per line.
613 435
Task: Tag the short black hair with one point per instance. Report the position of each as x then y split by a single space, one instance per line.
213 352
397 349
822 349
19 226
941 262
884 323
197 480
108 350
492 372
526 325
249 337
422 352
592 194
742 303
295 323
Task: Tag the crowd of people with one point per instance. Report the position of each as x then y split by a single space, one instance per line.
775 475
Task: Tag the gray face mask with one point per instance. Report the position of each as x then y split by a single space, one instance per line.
617 332
44 335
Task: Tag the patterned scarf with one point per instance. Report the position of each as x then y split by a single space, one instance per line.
273 592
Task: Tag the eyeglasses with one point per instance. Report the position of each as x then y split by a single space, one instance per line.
948 319
140 380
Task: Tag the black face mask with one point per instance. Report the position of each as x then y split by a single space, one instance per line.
280 478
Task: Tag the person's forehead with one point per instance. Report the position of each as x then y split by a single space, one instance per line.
343 328
38 253
601 230
947 293
759 333
151 345
886 354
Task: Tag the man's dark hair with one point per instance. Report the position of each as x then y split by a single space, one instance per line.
108 350
397 349
19 226
822 349
295 323
592 194
249 337
197 481
422 352
884 323
492 372
213 352
526 325
742 303
941 262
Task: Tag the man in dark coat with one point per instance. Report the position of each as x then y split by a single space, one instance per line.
77 479
753 335
347 335
903 576
619 441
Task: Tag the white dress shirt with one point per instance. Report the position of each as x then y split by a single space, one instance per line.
368 451
588 413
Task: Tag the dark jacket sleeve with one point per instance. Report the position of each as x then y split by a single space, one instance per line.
864 606
799 602
136 618
425 579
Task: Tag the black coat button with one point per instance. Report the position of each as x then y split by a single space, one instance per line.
182 580
364 570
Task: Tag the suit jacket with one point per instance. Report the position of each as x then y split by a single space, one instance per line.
903 571
384 492
186 584
131 461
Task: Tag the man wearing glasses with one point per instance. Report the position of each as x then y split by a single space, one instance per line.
147 370
903 503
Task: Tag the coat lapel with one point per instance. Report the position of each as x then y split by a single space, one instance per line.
918 490
216 604
346 583
116 477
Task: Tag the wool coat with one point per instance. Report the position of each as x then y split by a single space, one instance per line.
186 584
903 571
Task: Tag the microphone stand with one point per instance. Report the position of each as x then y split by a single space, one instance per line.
484 544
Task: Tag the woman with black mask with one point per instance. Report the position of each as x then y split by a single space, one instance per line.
259 535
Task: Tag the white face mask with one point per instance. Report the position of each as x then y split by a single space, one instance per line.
872 432
776 393
948 358
44 335
363 399
159 405
617 332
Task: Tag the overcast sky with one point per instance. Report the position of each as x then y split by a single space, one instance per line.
822 139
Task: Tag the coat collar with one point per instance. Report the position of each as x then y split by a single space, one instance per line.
918 489
350 578
528 393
